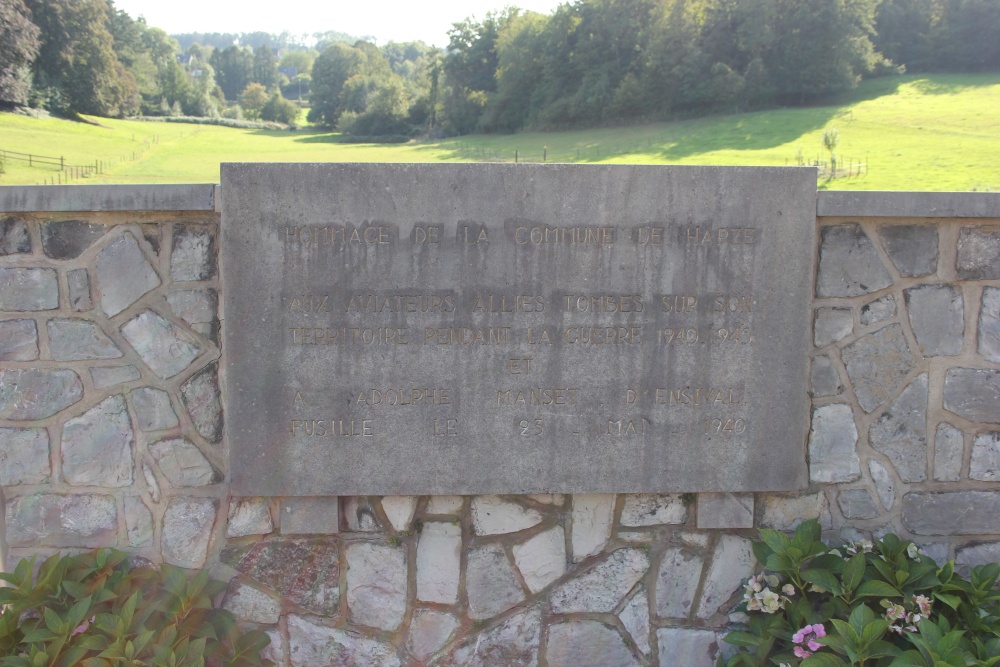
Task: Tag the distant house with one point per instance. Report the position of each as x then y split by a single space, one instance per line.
184 58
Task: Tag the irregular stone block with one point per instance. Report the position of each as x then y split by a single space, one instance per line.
676 583
109 376
306 571
937 317
732 563
97 445
490 582
310 644
883 483
849 265
79 290
976 555
14 239
989 325
787 512
67 239
586 644
985 463
877 364
166 349
635 617
430 630
650 509
912 248
138 522
687 647
825 379
79 340
18 340
151 484
879 310
857 504
193 256
152 409
182 463
52 520
513 642
833 440
123 274
725 510
249 516
602 586
359 515
24 456
901 432
444 505
194 306
979 253
831 325
315 516
187 530
203 401
492 515
952 513
439 562
949 451
542 559
399 510
376 585
251 605
973 393
591 522
28 289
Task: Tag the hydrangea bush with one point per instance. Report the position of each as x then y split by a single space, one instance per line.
881 604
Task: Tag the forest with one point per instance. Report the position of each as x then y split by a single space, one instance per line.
588 63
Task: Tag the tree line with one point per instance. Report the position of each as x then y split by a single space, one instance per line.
589 62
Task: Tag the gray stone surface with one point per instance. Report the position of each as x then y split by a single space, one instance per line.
131 197
79 340
492 515
97 445
14 239
676 582
311 644
831 325
514 641
787 512
849 265
203 401
650 509
52 520
67 239
912 248
833 440
591 521
439 554
884 486
989 325
399 510
732 564
603 585
687 647
182 463
949 452
879 310
310 516
901 432
79 290
877 364
857 504
360 514
376 585
975 555
123 274
18 340
193 256
109 376
446 505
165 348
490 582
952 513
937 317
725 510
250 604
586 644
542 558
985 462
635 617
194 306
429 632
152 485
825 379
858 203
597 220
152 409
28 289
979 253
249 516
187 530
138 522
24 456
973 393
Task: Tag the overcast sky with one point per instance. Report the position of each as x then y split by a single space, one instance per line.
386 20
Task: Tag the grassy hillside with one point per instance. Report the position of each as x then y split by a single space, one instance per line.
909 133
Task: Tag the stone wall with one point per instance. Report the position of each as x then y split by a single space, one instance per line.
112 434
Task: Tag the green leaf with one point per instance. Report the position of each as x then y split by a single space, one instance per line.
823 660
53 622
854 570
873 630
847 633
823 578
876 588
778 541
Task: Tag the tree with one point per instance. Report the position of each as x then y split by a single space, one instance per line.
19 45
252 99
265 67
280 110
233 70
334 66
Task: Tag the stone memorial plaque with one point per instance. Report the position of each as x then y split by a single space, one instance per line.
479 328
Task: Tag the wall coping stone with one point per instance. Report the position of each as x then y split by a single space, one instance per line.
848 203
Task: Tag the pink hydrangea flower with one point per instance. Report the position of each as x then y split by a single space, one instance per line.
808 636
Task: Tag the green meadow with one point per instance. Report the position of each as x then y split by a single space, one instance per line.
938 132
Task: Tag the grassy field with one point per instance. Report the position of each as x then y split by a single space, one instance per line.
908 133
